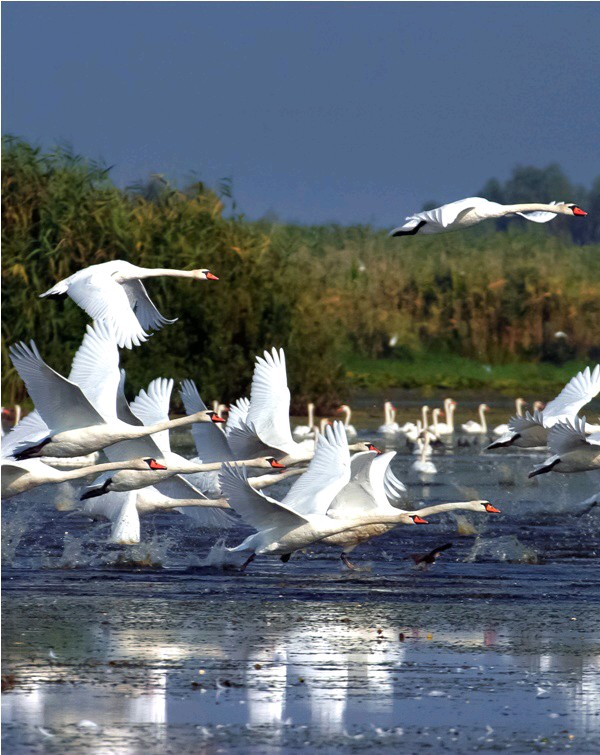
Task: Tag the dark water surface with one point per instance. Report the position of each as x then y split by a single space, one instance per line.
497 647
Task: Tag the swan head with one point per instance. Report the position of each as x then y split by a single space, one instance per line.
573 209
204 275
365 445
416 519
483 505
216 418
153 464
274 464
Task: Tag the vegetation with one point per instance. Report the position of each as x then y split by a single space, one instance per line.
333 297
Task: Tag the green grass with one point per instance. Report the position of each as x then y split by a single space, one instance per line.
447 371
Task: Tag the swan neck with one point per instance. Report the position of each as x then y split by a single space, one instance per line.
75 474
508 209
311 415
482 418
144 272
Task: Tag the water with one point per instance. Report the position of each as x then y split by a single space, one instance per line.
149 649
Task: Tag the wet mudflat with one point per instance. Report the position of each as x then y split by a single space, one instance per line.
155 648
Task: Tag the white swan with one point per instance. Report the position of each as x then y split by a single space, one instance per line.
305 431
21 476
472 210
265 431
504 428
389 424
114 291
477 428
76 426
350 429
573 449
531 431
422 467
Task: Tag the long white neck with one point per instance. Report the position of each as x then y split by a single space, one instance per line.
347 415
168 424
482 418
311 415
156 272
264 481
435 414
93 469
508 209
424 413
387 413
519 407
441 507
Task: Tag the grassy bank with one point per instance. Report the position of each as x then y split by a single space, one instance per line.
451 372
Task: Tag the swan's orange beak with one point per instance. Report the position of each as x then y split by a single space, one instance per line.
211 277
374 448
491 509
276 465
419 520
215 418
155 465
579 211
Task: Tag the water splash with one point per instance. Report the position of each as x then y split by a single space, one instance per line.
506 548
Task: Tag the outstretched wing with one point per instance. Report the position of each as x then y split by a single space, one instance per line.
570 435
95 367
270 401
142 305
579 391
211 442
31 430
212 517
255 508
238 414
327 473
61 403
245 443
528 421
152 406
102 298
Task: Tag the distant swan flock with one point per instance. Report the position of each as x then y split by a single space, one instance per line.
344 493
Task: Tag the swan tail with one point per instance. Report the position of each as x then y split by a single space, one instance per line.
503 442
547 466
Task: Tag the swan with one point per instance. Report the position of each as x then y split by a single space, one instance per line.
422 467
389 423
531 431
472 210
265 430
75 425
413 433
503 429
477 428
445 428
114 291
350 429
21 476
573 449
306 431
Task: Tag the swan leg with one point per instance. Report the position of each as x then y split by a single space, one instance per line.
346 561
286 557
413 231
250 558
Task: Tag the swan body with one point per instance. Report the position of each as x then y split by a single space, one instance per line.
114 291
531 431
573 449
504 428
389 423
472 210
306 431
477 428
444 428
21 476
423 467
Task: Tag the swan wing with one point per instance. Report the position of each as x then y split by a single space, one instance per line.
570 435
178 488
377 473
31 430
95 367
107 506
142 305
255 508
102 298
238 414
327 473
152 406
245 443
11 471
211 442
124 413
270 401
538 216
61 403
394 488
528 421
579 391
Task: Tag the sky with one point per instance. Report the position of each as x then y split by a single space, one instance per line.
318 112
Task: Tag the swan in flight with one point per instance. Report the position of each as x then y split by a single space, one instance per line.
477 428
264 430
504 428
467 212
21 476
114 291
531 431
76 424
573 449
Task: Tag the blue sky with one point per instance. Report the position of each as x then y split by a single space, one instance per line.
352 112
